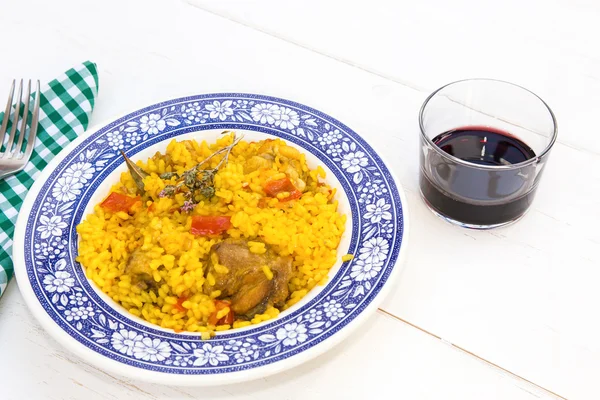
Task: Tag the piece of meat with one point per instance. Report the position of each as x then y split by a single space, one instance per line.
245 284
255 163
138 267
289 157
298 177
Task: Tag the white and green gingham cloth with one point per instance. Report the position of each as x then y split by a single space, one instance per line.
66 104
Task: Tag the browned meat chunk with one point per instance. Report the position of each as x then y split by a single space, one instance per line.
246 284
138 266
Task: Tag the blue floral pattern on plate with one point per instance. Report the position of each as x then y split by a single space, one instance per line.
60 285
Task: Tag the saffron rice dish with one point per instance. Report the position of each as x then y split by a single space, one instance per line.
210 237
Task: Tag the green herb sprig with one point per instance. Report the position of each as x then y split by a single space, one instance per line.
198 180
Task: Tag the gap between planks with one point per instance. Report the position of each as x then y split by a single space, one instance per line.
297 43
471 354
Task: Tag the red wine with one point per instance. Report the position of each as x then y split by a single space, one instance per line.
479 196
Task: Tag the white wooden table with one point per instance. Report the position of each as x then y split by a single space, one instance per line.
520 305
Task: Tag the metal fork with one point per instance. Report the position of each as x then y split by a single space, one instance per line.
13 159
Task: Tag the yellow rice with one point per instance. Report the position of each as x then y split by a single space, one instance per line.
308 229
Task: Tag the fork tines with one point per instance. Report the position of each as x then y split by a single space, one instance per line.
28 118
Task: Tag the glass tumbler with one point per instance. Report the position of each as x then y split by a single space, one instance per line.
484 144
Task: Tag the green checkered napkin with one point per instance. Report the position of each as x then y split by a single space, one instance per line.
66 104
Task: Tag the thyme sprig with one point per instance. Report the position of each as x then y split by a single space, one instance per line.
197 180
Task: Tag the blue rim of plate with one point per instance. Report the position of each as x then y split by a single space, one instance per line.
61 288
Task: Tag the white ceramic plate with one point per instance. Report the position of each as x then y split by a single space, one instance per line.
101 332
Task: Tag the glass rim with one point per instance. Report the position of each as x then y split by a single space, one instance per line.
489 167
